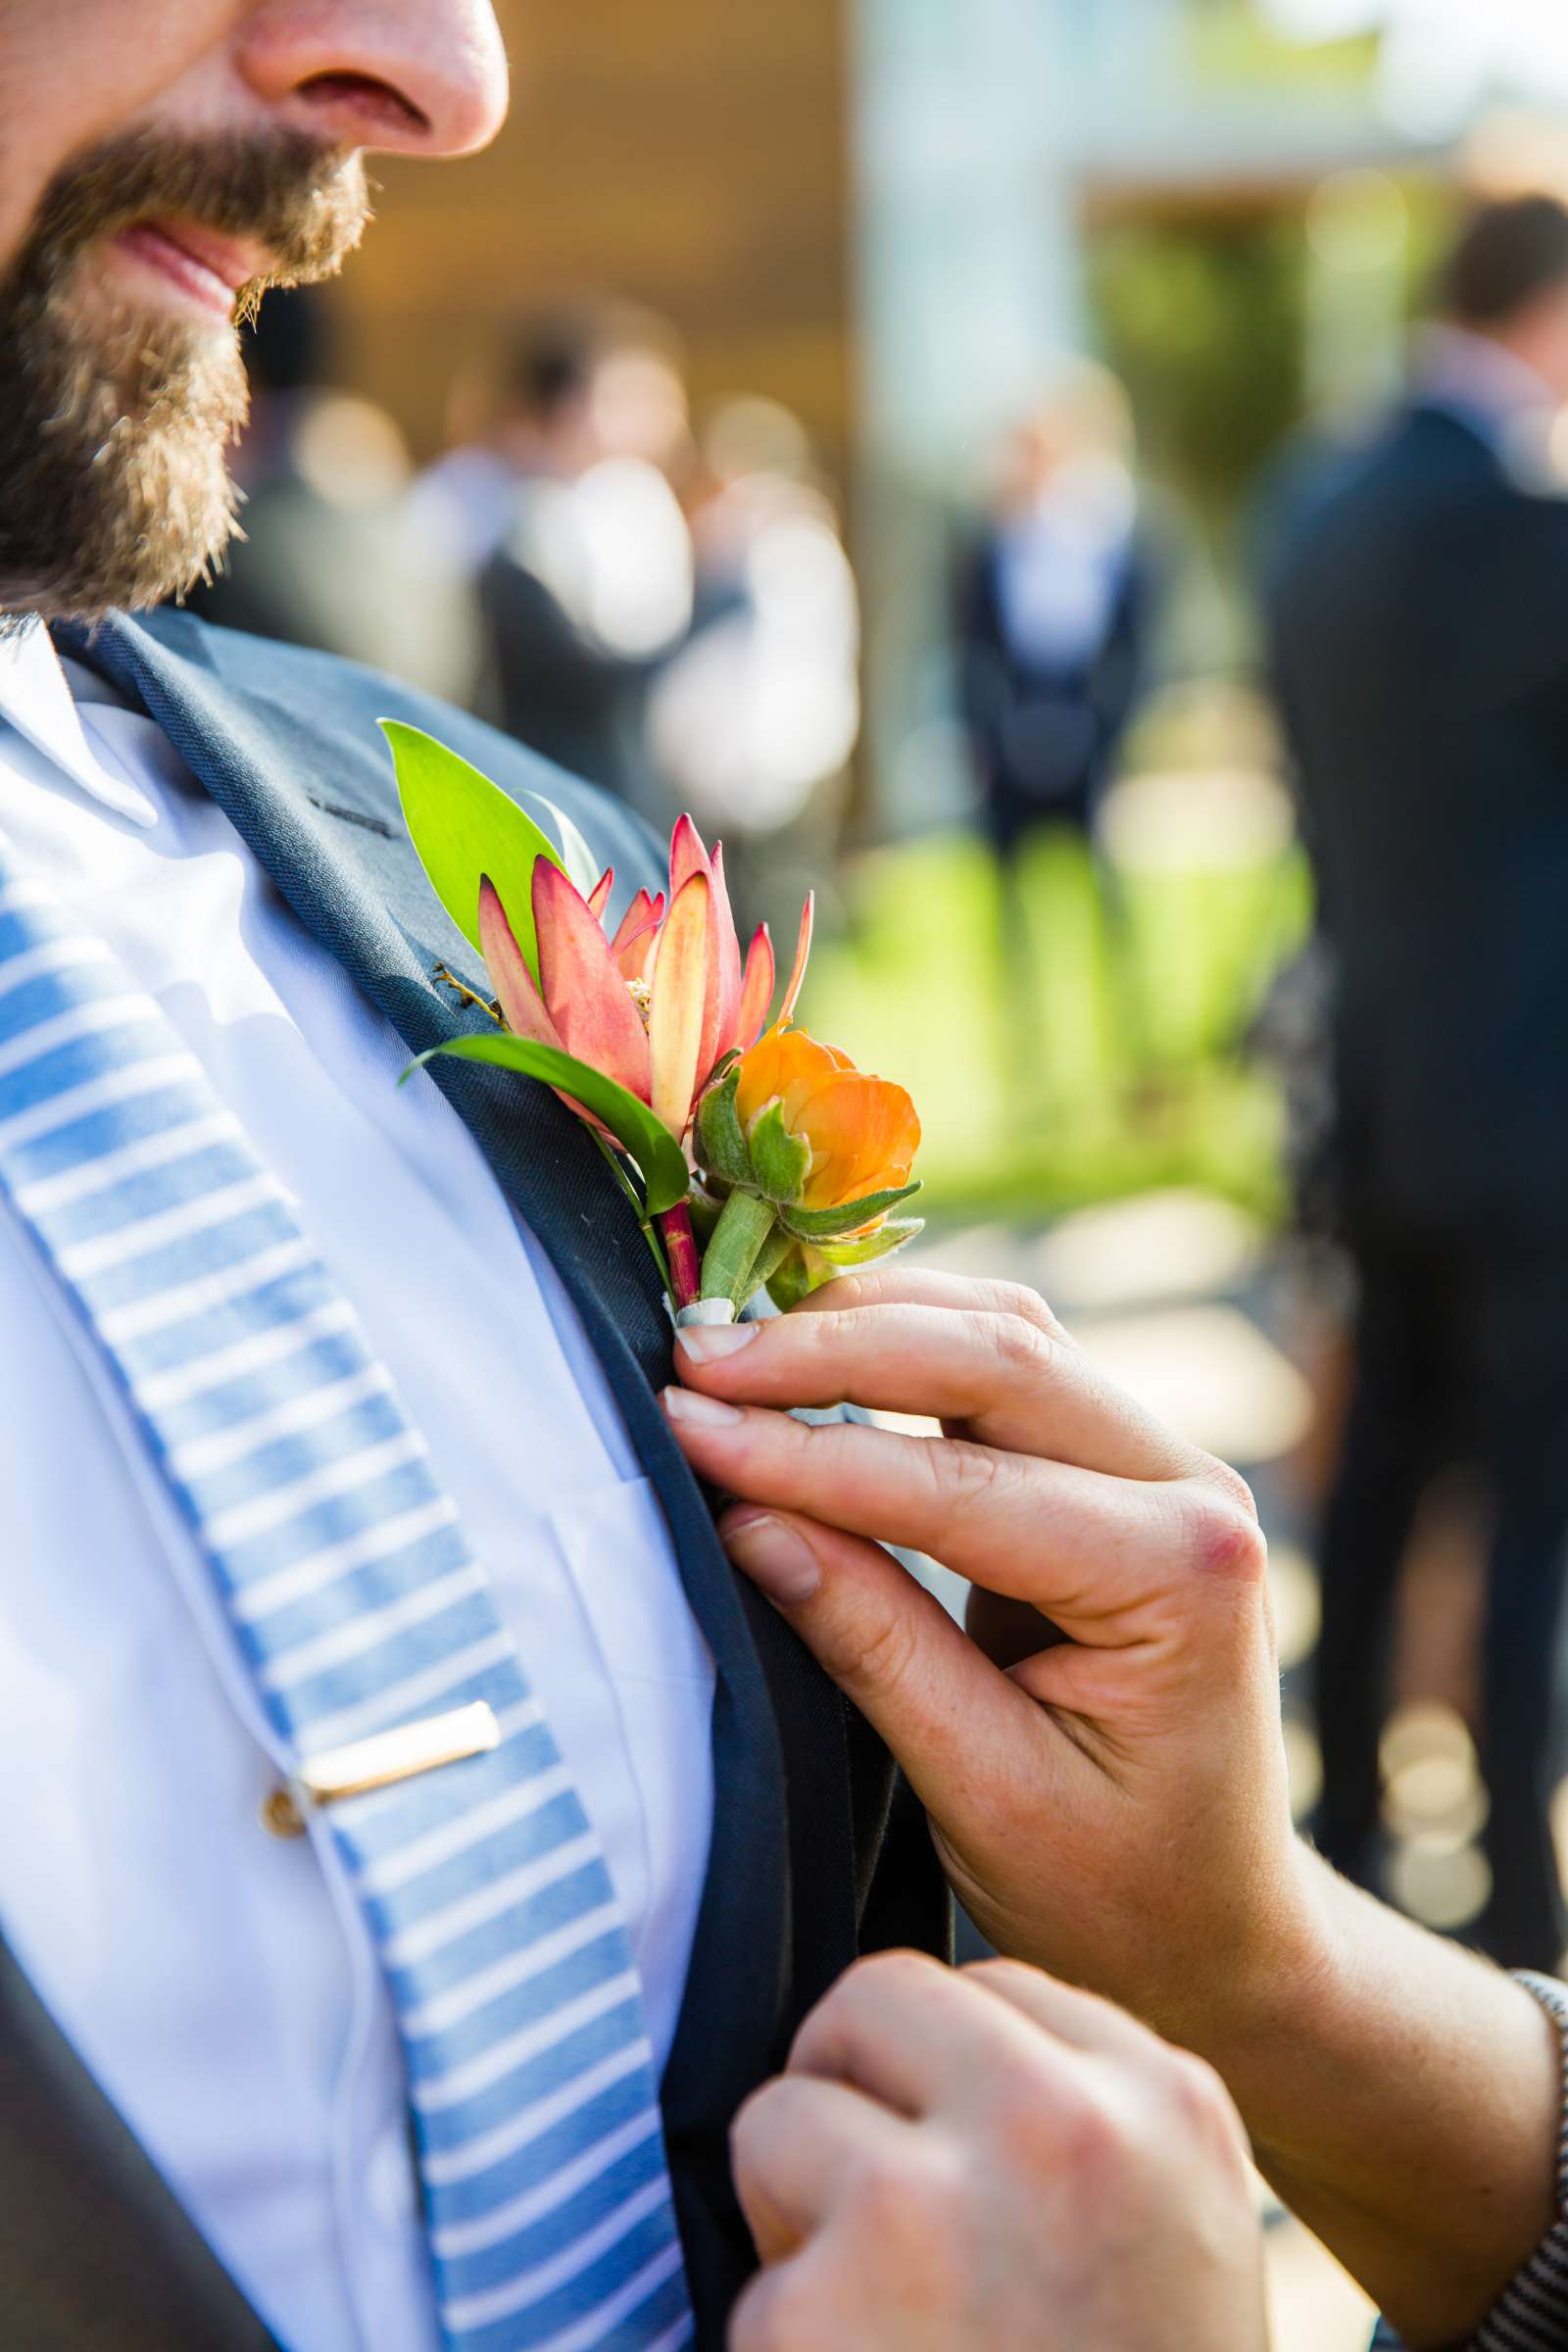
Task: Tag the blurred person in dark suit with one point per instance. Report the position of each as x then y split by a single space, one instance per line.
564 514
1051 613
1052 620
1419 617
329 553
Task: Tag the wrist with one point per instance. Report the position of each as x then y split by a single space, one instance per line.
1284 1982
1405 2098
1309 2006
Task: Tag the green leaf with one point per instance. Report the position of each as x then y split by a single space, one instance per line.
780 1161
793 1279
582 867
465 827
881 1243
705 1211
720 1138
831 1224
771 1260
645 1140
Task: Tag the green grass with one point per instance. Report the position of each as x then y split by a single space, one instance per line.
1105 1068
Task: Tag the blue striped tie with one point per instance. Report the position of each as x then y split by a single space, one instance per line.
358 1607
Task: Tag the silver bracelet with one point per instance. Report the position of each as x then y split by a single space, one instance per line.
1532 2315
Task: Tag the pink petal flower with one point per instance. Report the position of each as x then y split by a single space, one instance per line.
519 997
677 1013
757 990
634 942
587 999
688 856
803 955
598 896
727 962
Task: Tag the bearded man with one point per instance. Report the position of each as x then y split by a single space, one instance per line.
328 1424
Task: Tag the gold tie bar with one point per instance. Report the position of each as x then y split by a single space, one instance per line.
380 1761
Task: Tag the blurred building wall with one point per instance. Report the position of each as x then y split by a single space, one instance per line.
967 286
692 155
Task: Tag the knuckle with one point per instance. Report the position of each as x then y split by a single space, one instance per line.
876 1654
778 2313
1099 2140
1230 1484
830 1450
1222 1539
884 1977
1202 2101
911 2208
1020 1345
752 2131
1005 1977
1044 2128
888 2198
868 1989
894 1971
834 1335
961 1473
844 1290
1026 1305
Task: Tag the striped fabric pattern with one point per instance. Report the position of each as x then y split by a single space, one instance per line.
358 1605
1532 2315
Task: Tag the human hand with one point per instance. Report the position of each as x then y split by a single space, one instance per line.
988 2162
1114 1808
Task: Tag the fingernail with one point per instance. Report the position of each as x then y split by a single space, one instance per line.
702 1412
707 1342
776 1558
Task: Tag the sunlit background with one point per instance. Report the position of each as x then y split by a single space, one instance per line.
866 241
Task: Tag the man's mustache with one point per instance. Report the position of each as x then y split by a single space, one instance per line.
306 203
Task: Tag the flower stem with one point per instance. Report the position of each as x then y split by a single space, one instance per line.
612 1162
771 1257
680 1246
739 1238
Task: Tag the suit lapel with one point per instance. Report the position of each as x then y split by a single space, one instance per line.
96 2252
309 799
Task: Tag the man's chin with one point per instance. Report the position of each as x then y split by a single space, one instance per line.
118 308
126 501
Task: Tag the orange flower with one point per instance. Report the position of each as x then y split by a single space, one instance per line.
863 1133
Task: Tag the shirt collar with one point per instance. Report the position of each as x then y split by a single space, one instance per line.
35 697
1487 386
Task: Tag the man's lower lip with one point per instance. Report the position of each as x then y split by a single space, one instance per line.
193 277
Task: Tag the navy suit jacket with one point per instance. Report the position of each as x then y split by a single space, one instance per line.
1419 617
818 1851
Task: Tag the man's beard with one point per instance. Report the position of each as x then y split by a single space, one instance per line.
115 422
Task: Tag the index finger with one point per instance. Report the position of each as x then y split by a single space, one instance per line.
1011 1382
793 2146
918 2037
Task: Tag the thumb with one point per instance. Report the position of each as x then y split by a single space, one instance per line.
939 1703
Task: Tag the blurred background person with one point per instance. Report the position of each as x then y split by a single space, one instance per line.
330 553
753 722
564 517
1052 612
1420 634
1052 629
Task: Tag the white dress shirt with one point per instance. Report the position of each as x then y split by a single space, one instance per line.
1482 383
220 1985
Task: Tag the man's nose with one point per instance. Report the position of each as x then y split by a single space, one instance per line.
420 76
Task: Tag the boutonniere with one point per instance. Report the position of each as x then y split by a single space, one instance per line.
754 1156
